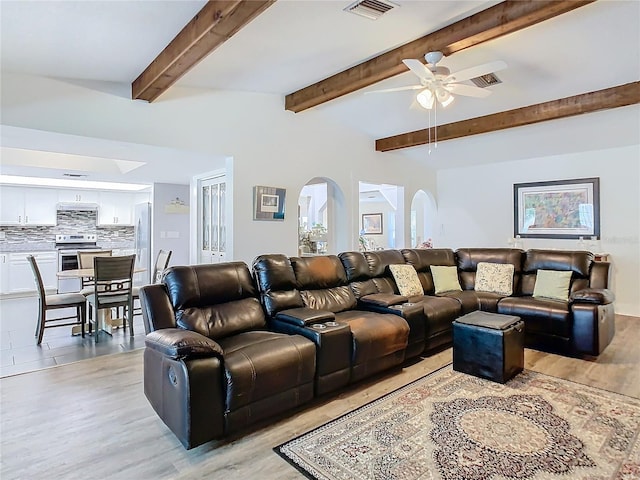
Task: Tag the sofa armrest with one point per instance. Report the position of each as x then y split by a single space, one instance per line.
599 296
305 316
157 311
383 299
178 343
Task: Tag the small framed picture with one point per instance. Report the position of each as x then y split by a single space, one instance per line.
372 223
268 203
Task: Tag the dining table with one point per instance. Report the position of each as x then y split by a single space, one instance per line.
105 321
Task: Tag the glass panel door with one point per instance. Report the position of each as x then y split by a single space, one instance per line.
213 231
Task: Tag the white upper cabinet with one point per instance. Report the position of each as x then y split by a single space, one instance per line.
115 208
78 196
27 206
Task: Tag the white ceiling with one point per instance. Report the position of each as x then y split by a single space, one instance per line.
296 43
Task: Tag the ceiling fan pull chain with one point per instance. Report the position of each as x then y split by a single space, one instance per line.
435 124
429 130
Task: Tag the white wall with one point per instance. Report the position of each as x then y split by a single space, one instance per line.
170 231
476 208
269 145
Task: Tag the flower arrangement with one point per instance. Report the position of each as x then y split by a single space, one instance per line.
428 243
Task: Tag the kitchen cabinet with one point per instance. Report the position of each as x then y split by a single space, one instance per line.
78 196
4 273
19 276
27 206
115 208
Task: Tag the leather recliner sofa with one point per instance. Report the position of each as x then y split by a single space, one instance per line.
226 349
311 297
211 367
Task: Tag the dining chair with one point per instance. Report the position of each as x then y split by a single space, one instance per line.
85 260
55 302
112 288
162 261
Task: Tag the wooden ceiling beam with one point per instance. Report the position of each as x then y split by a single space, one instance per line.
502 19
620 96
218 21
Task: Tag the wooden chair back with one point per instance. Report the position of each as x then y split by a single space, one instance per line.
113 281
38 279
85 260
162 260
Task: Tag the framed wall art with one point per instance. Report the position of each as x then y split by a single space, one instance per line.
557 209
372 223
268 203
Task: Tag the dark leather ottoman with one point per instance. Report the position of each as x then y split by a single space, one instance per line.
488 345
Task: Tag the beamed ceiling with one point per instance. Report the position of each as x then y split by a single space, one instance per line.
218 21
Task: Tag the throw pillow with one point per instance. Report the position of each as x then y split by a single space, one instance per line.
407 280
552 284
494 278
445 279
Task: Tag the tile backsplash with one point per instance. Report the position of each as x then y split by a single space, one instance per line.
24 238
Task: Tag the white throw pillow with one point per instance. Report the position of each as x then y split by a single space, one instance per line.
445 279
407 280
552 284
494 278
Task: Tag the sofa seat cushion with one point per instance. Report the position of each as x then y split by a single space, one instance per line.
440 313
374 335
468 300
541 315
261 364
488 301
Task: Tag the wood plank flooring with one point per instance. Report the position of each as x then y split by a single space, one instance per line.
90 420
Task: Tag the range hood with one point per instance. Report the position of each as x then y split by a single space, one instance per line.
77 206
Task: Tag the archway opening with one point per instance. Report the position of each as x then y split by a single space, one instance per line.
423 215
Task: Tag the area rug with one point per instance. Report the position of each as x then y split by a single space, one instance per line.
453 426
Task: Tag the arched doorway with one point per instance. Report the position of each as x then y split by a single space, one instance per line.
423 216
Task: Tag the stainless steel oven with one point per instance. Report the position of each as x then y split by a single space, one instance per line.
68 246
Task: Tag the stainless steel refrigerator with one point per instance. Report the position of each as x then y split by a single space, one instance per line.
142 219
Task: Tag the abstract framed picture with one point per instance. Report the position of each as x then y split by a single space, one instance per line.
557 209
268 203
372 223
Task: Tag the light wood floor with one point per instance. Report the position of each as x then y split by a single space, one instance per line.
90 420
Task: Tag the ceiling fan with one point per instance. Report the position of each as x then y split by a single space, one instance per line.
438 83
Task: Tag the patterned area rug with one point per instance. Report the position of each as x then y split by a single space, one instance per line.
449 425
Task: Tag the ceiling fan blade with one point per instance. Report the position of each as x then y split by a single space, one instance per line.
417 67
477 71
397 89
468 90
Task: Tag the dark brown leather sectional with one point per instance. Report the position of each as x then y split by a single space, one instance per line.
227 347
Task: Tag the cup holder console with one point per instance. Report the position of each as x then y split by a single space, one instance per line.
322 326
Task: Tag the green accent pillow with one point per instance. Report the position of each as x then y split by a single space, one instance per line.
407 280
494 278
445 279
552 284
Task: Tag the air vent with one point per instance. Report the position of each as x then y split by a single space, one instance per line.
486 80
372 9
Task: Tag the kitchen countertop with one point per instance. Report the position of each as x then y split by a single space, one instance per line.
6 247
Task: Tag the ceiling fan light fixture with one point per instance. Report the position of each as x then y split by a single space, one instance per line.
425 98
448 100
444 97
